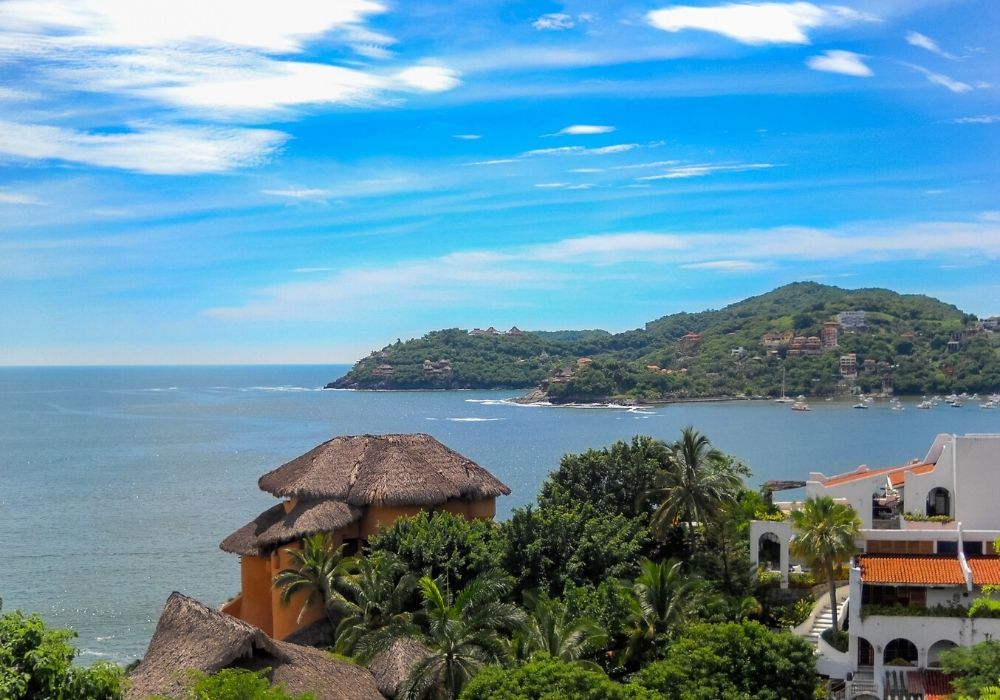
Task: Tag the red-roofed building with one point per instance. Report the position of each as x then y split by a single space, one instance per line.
924 554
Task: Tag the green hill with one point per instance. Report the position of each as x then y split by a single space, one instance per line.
911 343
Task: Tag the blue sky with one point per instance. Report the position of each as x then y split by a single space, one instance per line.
249 181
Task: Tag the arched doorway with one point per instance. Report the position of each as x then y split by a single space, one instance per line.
866 652
935 651
900 652
939 502
769 551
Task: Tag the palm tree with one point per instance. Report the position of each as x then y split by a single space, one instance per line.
550 630
462 634
695 482
825 535
664 598
378 594
318 568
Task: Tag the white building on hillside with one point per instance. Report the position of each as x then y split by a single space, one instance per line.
925 552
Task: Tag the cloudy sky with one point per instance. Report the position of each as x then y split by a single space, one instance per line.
251 181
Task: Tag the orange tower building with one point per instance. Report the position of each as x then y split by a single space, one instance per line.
350 487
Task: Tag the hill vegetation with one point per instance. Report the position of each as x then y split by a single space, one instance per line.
911 344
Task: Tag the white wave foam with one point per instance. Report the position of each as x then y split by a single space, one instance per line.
491 402
284 388
473 420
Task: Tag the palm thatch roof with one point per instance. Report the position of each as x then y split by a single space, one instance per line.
392 665
390 470
191 636
274 527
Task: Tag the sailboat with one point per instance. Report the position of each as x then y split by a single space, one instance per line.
783 398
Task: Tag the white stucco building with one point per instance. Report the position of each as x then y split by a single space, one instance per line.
913 579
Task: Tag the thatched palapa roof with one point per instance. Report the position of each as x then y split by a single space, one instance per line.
274 527
191 636
392 665
383 469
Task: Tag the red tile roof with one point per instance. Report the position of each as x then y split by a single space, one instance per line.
925 569
937 686
985 570
894 474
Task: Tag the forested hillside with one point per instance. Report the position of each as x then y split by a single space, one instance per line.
806 332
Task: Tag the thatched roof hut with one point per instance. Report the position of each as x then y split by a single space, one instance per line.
392 665
191 636
274 527
388 470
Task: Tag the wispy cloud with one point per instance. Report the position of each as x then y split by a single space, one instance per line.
564 185
301 193
580 150
756 23
925 42
685 171
467 137
450 278
980 119
940 79
152 150
584 130
554 21
9 197
729 266
844 62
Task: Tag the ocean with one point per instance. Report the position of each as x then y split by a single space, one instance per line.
117 483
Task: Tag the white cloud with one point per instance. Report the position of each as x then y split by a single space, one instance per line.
8 197
585 129
980 119
300 193
554 21
845 62
925 42
580 150
755 23
495 161
467 137
428 78
942 80
686 171
564 186
156 150
255 24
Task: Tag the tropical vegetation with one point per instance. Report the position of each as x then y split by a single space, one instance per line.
918 344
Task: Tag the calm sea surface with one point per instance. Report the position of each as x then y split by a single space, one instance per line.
117 484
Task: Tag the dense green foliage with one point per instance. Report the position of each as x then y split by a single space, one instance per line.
734 661
905 336
443 545
37 664
551 679
975 668
235 684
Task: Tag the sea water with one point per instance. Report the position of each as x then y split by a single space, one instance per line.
117 484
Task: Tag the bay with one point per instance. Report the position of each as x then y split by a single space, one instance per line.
117 483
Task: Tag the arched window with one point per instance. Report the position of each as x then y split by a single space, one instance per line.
866 652
769 551
939 501
900 652
934 653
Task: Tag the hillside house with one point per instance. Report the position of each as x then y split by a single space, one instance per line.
913 579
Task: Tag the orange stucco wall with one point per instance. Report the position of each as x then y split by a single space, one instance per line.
285 618
255 578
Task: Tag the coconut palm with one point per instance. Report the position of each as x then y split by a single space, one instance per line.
378 594
825 535
550 630
318 568
696 480
664 598
462 633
